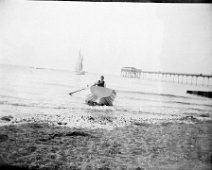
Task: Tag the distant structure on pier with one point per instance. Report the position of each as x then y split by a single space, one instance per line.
132 72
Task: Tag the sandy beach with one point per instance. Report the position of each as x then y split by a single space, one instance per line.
140 145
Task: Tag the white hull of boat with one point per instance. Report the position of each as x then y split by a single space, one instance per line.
106 96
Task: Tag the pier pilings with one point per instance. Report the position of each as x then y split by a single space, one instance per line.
184 78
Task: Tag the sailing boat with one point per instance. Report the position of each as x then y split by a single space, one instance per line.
79 66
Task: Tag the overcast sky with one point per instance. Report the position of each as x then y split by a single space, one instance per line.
165 37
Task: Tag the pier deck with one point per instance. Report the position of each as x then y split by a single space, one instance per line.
132 72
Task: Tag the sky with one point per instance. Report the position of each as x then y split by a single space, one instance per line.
148 36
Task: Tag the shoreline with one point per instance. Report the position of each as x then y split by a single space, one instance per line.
104 119
139 145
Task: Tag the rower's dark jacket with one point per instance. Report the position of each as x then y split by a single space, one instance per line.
101 84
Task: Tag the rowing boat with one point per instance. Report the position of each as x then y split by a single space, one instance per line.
105 96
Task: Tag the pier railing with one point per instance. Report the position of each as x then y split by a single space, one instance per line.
187 78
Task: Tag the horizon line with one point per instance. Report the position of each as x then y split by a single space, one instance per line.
37 67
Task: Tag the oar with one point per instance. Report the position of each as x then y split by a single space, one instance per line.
78 90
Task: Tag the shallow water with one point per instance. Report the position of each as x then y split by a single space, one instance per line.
28 91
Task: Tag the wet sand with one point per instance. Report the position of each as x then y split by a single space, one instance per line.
185 145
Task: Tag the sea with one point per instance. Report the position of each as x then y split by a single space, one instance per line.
28 91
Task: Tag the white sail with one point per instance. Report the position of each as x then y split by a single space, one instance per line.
79 66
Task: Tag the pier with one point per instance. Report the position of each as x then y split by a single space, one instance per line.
130 72
185 78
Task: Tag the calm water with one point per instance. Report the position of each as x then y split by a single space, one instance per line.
25 90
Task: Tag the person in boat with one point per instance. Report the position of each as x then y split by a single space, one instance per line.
100 82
